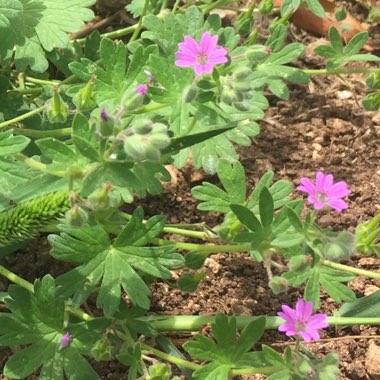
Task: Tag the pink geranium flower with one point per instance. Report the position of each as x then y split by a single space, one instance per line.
301 321
325 193
202 56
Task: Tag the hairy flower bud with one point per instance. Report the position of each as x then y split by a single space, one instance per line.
76 216
242 74
142 126
278 285
189 94
102 350
256 53
340 248
84 99
159 140
299 263
58 110
106 124
65 340
265 7
228 96
242 106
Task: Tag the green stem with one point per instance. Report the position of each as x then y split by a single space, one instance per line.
347 268
114 34
22 117
139 24
195 322
175 6
31 163
16 279
215 5
169 358
205 248
42 81
35 133
149 108
361 70
255 370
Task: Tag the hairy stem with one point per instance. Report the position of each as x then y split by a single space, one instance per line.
22 117
347 268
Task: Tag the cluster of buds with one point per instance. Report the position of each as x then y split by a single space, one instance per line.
145 140
237 89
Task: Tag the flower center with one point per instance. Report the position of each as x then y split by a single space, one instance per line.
301 326
202 58
322 196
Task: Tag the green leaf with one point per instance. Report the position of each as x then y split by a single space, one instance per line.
117 266
368 306
316 7
312 290
356 43
84 138
335 40
287 54
10 144
189 282
247 218
30 28
266 207
57 150
294 220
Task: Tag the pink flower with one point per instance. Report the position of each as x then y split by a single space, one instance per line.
301 322
142 89
65 340
325 193
202 56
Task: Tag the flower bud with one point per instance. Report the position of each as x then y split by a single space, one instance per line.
65 340
243 86
76 216
256 53
228 97
84 99
242 74
372 101
241 106
142 89
265 7
159 140
342 247
58 110
142 126
106 124
299 263
104 199
373 81
278 285
134 101
189 94
102 350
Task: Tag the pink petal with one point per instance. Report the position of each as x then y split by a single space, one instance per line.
318 321
339 189
338 204
307 310
329 179
319 180
192 46
183 63
307 185
318 205
291 313
203 69
208 43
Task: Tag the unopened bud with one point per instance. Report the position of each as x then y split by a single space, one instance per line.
65 340
76 216
142 89
106 124
189 94
241 106
256 53
265 7
58 110
373 81
242 74
159 140
102 350
228 97
299 263
142 126
84 99
278 285
341 248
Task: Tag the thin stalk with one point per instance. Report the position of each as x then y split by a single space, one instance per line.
204 248
255 370
175 6
31 163
139 24
114 34
22 117
195 322
215 5
35 133
16 279
148 108
347 268
170 358
341 70
42 81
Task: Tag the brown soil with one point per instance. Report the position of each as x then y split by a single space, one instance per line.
321 127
